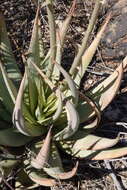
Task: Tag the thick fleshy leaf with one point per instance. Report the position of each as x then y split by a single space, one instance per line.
102 94
4 124
11 137
54 89
41 95
32 92
18 119
22 119
55 168
73 90
42 157
9 84
91 126
85 130
59 106
61 35
6 54
24 179
52 34
5 116
44 63
5 97
10 163
89 53
91 106
102 154
35 51
35 54
93 142
73 122
76 62
40 178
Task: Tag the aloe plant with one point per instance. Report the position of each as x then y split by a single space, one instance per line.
39 113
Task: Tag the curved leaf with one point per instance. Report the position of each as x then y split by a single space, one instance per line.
101 94
106 90
40 178
89 53
102 154
73 122
70 82
92 125
42 157
35 54
93 142
18 119
22 119
90 107
55 168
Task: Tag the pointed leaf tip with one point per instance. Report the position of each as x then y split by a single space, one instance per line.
41 159
68 175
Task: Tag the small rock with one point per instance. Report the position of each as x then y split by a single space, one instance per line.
115 37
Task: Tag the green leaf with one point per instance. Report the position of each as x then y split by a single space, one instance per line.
35 54
73 122
55 90
59 106
4 124
41 178
5 95
102 94
35 51
9 84
33 93
5 116
7 55
42 157
70 82
11 137
111 153
89 53
61 35
54 167
18 119
93 142
38 176
76 62
41 87
106 90
52 34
